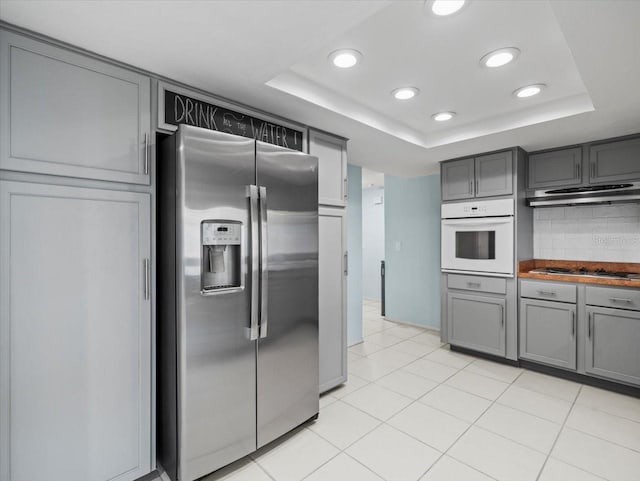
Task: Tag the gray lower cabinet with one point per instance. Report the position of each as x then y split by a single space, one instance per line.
477 322
67 114
548 332
75 333
613 337
558 168
494 174
615 161
332 292
458 179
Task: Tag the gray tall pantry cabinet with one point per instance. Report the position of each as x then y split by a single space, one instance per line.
75 251
333 260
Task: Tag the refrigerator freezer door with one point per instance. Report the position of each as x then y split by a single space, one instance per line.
288 356
216 358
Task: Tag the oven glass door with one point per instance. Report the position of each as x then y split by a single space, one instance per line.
478 245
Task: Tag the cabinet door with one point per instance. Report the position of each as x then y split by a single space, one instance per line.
548 332
75 342
332 167
613 337
477 322
332 292
555 169
615 161
458 179
494 174
63 113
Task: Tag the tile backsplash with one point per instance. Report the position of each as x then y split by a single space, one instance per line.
588 233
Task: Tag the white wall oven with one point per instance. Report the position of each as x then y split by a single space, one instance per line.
477 237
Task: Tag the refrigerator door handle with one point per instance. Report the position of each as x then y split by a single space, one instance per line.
255 248
264 277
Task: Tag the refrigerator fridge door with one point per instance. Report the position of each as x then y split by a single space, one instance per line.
216 356
287 362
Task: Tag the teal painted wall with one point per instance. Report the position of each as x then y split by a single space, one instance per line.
412 249
354 247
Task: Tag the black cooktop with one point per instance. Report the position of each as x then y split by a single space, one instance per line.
583 271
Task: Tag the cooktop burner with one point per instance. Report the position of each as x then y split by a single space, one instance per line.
583 271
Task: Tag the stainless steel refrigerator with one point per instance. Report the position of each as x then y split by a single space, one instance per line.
237 297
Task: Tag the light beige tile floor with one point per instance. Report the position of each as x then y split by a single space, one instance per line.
412 410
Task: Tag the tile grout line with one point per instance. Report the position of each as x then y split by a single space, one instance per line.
463 433
555 441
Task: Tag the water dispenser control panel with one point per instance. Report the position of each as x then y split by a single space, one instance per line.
220 234
221 257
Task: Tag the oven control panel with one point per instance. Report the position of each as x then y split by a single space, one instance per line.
482 208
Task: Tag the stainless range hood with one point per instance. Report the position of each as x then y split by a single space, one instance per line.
591 194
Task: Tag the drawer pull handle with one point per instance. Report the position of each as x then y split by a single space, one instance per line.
474 284
546 293
621 299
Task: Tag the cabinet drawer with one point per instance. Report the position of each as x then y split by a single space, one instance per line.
608 297
475 283
548 291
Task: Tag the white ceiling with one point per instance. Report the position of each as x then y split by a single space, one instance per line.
586 51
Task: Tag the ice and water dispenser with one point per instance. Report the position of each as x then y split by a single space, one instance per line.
221 257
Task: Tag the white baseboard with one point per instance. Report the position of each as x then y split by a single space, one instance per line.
413 324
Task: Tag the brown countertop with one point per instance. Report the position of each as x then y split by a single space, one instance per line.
524 268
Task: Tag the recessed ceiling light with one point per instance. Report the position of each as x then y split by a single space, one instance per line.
444 7
405 93
345 58
500 57
529 90
443 116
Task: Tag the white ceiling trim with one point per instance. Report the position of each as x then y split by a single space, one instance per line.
307 90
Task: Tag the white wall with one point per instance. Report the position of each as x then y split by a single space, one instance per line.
588 233
372 240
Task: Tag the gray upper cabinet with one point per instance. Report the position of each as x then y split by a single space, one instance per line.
332 167
615 161
555 169
613 337
477 322
68 114
494 174
458 179
548 332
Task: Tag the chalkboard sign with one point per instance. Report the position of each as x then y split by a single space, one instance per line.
181 109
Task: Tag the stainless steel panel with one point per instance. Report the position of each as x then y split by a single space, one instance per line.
216 357
287 362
